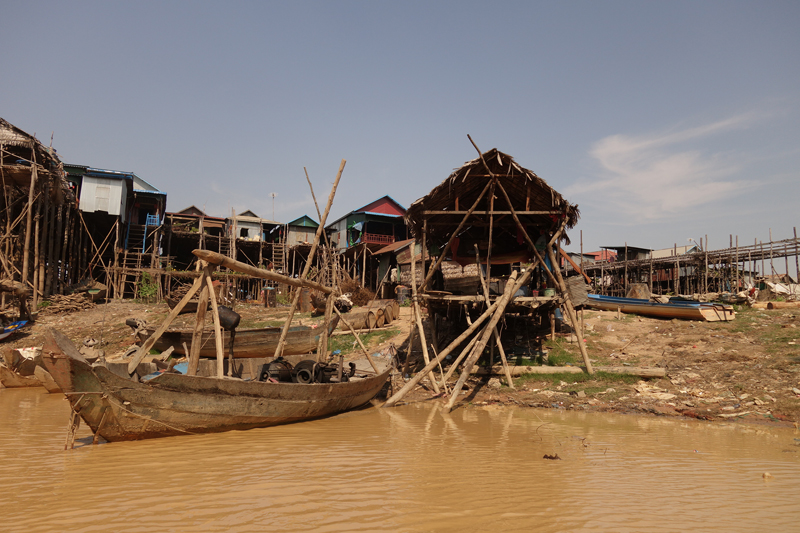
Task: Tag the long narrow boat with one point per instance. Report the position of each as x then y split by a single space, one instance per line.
709 312
258 342
119 409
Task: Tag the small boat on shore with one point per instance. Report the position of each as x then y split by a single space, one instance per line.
256 342
686 310
169 404
11 328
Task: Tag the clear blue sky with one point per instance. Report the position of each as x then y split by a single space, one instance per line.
663 121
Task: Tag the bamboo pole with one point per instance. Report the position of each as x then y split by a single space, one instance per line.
207 271
511 289
322 349
150 342
559 281
36 256
496 334
307 267
796 257
29 218
197 334
417 313
465 352
215 258
444 353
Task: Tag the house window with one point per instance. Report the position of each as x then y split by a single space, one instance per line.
243 233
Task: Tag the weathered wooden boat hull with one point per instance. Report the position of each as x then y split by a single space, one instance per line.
260 342
709 312
173 404
14 380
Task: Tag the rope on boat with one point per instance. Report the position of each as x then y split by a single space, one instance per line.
121 406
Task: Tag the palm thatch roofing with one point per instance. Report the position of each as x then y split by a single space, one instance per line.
540 208
20 151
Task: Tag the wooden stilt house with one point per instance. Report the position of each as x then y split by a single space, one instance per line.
507 223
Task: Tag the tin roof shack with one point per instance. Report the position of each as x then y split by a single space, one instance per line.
189 229
301 231
44 245
126 211
496 213
362 232
391 259
257 241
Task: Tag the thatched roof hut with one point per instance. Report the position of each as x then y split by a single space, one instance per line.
540 208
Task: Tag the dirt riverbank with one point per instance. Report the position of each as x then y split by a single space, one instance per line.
744 370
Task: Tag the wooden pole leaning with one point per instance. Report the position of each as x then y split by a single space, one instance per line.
417 313
559 280
150 342
197 334
322 348
29 218
207 271
309 261
495 332
511 288
220 260
444 353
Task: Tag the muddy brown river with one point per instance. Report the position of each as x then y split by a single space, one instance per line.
410 468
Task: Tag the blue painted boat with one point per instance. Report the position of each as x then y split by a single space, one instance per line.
11 328
685 310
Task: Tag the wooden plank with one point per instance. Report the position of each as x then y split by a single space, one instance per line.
525 370
221 260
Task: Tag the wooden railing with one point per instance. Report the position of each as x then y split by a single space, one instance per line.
375 238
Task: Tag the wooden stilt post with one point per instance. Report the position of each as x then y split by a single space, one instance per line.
497 341
418 313
557 279
207 272
511 288
29 217
322 349
796 257
454 344
197 334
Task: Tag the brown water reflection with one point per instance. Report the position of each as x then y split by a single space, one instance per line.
404 469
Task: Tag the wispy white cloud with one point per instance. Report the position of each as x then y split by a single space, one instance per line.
664 175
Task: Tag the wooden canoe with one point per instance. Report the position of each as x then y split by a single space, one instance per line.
119 409
709 312
258 342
